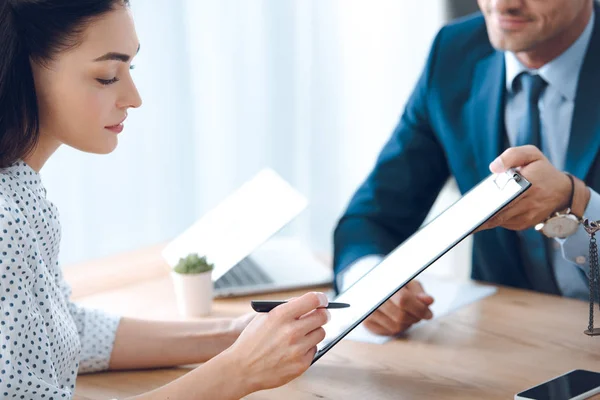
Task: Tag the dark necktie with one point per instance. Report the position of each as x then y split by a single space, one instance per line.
534 246
530 130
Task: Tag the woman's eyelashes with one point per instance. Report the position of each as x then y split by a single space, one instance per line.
107 82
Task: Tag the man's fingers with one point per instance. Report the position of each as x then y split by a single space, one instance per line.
408 302
425 298
519 222
517 216
405 308
416 287
507 213
376 328
515 207
516 157
379 326
396 314
384 320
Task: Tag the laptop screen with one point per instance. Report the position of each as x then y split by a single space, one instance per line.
419 251
239 224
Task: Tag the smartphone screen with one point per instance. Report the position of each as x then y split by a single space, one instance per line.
565 387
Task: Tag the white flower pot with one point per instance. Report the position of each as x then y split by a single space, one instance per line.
194 293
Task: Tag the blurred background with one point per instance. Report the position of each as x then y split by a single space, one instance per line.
310 88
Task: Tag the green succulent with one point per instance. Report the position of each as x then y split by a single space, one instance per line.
193 264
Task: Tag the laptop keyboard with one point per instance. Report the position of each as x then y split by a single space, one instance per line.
245 273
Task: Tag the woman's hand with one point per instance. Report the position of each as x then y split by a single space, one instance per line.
273 349
238 324
279 346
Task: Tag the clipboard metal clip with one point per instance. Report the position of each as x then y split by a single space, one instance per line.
501 180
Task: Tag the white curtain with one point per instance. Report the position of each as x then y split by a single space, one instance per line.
311 88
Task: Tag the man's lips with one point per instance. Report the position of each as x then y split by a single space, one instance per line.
512 23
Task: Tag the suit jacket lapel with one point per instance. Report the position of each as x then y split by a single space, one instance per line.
487 110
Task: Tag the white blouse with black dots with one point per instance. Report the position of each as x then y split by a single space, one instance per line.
46 340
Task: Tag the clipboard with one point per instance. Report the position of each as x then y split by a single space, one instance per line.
419 251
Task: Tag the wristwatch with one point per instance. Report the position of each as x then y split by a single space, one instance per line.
561 224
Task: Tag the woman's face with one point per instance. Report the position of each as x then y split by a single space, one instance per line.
84 92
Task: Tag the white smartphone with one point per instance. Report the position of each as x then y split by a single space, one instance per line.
578 384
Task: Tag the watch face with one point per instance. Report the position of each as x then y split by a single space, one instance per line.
561 226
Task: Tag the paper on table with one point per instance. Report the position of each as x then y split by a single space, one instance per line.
449 296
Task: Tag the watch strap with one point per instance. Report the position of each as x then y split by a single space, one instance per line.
572 195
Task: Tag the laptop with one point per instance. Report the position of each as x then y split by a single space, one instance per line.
239 236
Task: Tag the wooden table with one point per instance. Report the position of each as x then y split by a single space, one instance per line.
491 349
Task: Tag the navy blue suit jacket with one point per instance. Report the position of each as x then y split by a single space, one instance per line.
453 124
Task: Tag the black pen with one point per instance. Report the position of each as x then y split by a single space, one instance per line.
266 305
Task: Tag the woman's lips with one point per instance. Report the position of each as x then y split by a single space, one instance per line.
116 128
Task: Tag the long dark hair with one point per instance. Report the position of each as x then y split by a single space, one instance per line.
34 31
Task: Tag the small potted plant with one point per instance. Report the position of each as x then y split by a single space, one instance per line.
193 286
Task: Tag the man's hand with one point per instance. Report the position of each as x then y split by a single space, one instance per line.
550 190
403 309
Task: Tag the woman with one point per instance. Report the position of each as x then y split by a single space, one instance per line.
65 79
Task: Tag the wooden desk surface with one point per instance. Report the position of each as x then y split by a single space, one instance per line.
488 350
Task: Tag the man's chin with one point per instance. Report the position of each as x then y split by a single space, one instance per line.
513 44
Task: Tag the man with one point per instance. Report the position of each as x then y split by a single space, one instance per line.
524 77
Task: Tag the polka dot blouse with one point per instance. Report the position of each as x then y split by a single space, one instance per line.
46 340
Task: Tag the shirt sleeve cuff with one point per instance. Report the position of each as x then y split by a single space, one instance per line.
352 273
97 333
575 248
